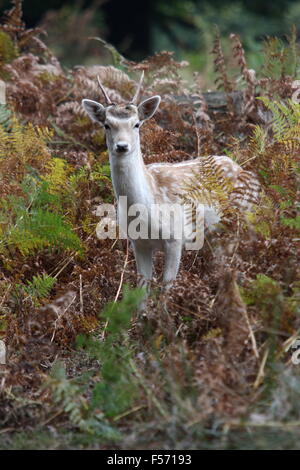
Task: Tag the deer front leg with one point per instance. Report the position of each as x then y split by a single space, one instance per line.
172 251
143 258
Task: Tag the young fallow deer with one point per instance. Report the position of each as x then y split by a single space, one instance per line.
158 183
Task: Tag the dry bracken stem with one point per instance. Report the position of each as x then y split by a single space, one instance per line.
148 390
3 431
5 294
123 271
80 294
252 336
287 344
189 312
237 241
55 323
52 417
64 266
120 285
267 424
220 65
128 412
194 260
239 54
249 160
197 134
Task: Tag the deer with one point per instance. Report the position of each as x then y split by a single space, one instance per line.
157 183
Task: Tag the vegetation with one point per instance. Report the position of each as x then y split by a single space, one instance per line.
208 366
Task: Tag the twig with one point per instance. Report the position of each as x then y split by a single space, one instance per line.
80 294
63 267
194 260
237 241
261 371
197 134
189 312
266 424
59 316
112 246
5 294
63 134
2 431
252 336
123 272
288 343
179 328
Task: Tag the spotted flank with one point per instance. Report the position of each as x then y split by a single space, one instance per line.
211 180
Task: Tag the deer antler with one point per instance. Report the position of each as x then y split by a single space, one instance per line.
135 98
108 101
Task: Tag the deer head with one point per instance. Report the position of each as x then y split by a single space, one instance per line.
122 122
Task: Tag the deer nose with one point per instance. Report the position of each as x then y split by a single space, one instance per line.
122 147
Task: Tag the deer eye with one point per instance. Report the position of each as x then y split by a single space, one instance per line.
106 126
137 125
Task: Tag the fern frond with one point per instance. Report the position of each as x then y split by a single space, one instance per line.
5 116
57 176
285 116
8 51
39 287
29 224
42 229
16 28
222 79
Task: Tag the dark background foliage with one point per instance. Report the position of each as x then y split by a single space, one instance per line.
209 366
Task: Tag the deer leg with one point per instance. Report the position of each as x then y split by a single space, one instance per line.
143 257
172 250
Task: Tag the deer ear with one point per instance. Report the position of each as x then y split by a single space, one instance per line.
148 107
95 110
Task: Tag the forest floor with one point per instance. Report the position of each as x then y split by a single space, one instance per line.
214 362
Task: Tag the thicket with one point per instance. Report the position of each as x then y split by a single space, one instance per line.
207 367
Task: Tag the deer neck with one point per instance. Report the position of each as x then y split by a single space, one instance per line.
129 177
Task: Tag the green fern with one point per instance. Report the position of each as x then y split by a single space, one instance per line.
5 117
280 58
8 51
68 395
29 223
208 186
116 391
39 229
